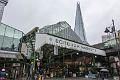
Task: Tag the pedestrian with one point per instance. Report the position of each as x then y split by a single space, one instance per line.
65 71
35 76
102 75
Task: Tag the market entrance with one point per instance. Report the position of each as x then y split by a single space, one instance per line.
69 61
60 56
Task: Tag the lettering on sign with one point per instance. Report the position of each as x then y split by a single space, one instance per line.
71 44
42 39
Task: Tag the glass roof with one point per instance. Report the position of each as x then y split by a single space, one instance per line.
61 29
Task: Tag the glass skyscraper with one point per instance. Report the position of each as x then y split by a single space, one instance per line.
79 25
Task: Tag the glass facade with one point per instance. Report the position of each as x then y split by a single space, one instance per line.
79 25
61 29
9 38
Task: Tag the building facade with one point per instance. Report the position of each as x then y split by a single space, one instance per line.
110 40
57 45
9 38
111 45
9 49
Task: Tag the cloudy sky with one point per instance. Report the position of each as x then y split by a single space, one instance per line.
97 14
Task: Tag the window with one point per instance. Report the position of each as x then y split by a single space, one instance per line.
16 41
2 31
18 34
9 32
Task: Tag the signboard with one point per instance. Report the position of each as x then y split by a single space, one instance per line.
16 64
25 50
42 39
8 54
55 50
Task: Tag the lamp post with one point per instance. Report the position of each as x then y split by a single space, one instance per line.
117 44
115 36
113 31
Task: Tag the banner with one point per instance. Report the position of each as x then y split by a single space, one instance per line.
42 39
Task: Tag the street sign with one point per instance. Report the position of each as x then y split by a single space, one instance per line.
16 64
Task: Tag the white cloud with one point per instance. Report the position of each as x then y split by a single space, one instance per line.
97 14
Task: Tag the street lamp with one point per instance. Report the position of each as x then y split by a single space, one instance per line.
77 53
95 56
115 36
113 31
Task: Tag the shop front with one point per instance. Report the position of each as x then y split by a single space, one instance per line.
65 57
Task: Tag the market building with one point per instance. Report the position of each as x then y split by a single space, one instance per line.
61 46
9 48
53 49
56 47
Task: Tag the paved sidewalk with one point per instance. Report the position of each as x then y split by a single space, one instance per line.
70 79
22 79
78 78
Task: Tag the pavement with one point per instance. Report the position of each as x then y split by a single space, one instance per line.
70 78
78 78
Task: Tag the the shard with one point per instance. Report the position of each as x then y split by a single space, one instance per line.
79 26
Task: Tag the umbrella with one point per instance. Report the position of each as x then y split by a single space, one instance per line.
104 70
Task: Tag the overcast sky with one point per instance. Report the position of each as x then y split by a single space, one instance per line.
97 14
